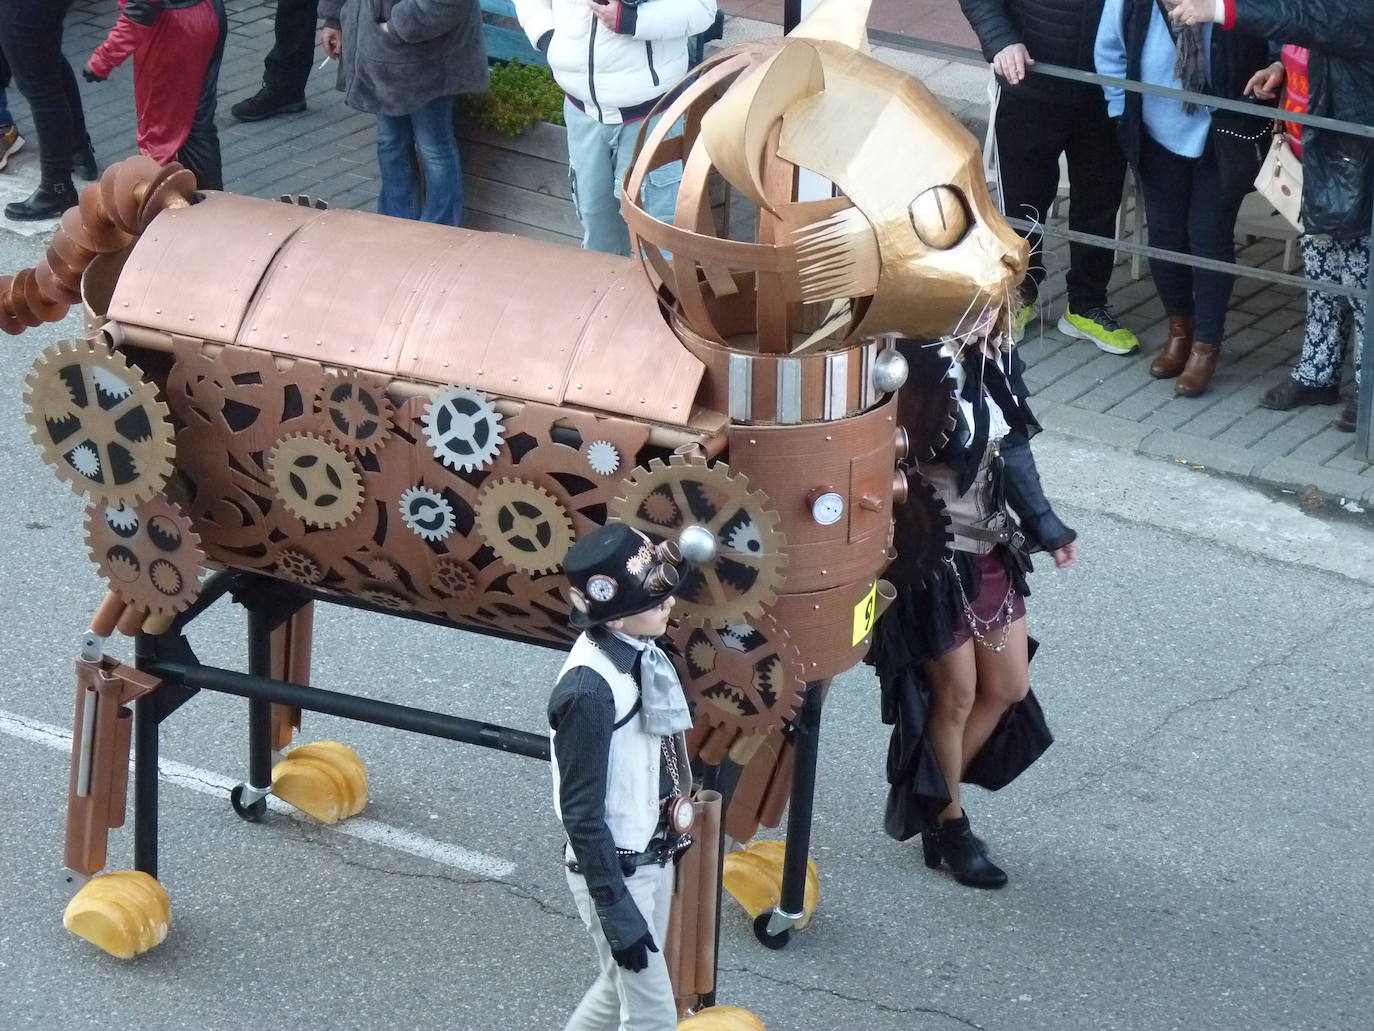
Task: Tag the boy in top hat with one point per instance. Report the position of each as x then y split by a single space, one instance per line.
620 775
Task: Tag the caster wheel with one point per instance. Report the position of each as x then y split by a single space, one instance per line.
770 941
252 813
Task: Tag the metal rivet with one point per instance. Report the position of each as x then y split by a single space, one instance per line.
190 318
157 311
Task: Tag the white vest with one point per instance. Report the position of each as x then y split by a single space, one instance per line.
632 771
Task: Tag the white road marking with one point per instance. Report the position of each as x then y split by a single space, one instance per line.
208 783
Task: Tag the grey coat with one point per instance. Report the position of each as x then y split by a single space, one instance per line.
433 48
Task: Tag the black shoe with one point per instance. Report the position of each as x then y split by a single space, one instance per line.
264 104
1292 394
955 844
84 166
48 201
1345 422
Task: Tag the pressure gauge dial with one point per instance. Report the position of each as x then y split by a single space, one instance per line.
827 506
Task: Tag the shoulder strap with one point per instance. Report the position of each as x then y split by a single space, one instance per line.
634 711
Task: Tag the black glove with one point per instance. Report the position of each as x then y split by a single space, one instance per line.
143 12
635 958
91 76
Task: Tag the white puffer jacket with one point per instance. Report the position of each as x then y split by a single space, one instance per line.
607 73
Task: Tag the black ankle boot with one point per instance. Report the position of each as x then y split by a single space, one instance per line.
955 844
48 201
84 166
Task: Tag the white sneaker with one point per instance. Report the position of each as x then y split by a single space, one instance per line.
11 143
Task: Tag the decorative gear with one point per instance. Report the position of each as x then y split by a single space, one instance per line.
150 555
99 423
602 457
384 598
746 677
383 570
427 512
524 524
744 577
922 532
453 576
355 411
298 566
926 402
463 428
316 481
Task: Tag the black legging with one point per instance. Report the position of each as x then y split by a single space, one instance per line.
200 153
31 37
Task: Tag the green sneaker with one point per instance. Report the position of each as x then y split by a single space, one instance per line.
1100 326
1020 320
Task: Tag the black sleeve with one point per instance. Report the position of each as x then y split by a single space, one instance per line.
582 715
992 25
1331 26
1025 495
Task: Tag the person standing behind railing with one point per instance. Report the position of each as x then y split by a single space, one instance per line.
1040 118
1195 166
1338 169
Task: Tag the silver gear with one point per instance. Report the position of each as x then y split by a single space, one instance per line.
427 513
602 457
745 538
463 428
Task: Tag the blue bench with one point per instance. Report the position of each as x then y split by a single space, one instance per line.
506 41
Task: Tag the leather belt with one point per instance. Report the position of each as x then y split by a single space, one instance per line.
659 853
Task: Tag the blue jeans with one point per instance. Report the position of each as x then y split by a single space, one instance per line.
417 147
598 158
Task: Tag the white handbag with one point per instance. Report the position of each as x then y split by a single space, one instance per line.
1280 180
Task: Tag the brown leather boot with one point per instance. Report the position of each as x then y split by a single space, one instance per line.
1197 374
1170 361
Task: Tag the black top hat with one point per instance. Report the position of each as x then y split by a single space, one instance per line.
616 571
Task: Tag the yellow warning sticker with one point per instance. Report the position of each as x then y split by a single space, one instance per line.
865 614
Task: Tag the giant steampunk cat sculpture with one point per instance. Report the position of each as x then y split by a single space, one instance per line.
421 419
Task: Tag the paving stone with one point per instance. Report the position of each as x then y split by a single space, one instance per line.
1328 446
1287 472
1210 454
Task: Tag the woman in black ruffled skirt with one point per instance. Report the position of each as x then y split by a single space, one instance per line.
951 652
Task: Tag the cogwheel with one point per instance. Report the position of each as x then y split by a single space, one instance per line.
921 534
296 565
453 576
602 457
744 577
463 428
99 424
926 402
317 482
427 512
149 554
384 598
747 678
355 411
524 524
383 570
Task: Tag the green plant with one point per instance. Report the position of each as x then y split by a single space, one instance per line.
519 96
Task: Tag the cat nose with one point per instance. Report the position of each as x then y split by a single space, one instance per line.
1017 260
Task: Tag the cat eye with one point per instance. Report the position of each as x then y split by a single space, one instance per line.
940 217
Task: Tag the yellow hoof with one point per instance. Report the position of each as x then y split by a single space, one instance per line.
753 877
125 913
722 1018
325 779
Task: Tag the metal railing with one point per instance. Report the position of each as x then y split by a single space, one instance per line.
1364 428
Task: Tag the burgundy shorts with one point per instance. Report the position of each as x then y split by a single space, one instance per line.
993 583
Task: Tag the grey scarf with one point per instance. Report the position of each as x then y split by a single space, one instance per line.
1190 62
660 691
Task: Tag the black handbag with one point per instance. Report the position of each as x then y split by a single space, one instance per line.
1239 155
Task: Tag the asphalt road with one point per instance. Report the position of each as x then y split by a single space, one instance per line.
1192 853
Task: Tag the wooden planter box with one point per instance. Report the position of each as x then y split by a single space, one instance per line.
518 184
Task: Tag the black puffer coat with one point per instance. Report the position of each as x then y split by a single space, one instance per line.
1054 31
1338 170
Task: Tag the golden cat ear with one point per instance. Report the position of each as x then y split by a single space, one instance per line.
843 21
735 129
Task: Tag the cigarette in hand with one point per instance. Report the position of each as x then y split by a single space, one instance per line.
327 59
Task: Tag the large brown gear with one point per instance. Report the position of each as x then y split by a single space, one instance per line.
355 411
744 577
926 402
316 481
148 553
100 425
921 532
524 524
744 676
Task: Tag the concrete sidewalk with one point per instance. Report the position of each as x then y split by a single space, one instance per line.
327 152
